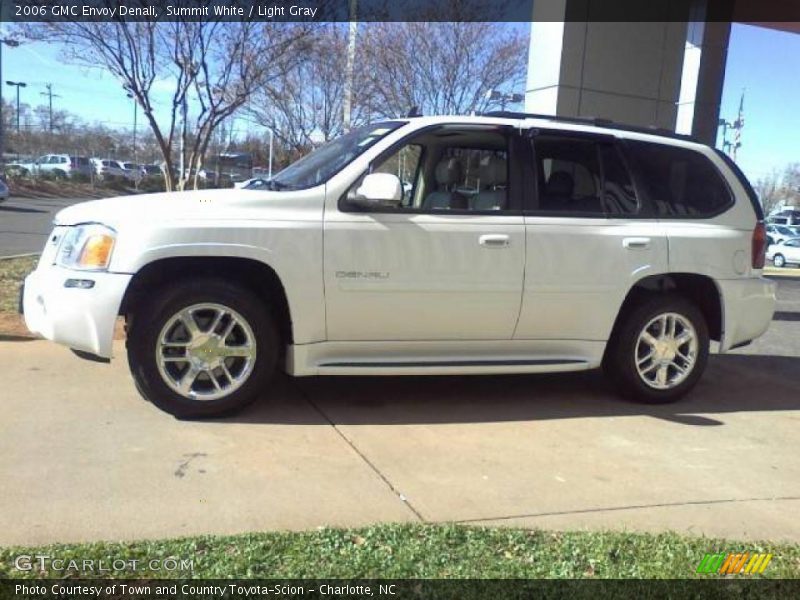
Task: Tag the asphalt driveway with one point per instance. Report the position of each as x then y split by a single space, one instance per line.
83 457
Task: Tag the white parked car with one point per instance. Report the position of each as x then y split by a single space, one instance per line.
59 165
785 253
524 245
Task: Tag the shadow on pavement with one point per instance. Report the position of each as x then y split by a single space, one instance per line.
20 209
785 315
732 383
5 337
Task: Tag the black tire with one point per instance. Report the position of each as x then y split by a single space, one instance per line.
619 361
148 319
779 261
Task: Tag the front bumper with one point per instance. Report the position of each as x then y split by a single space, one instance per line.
82 319
749 306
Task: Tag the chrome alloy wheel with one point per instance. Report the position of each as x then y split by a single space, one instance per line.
206 351
666 351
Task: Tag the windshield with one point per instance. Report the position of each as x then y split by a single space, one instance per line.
330 158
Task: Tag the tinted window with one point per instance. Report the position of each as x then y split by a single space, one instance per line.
582 176
619 197
679 181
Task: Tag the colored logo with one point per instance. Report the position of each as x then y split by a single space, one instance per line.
734 563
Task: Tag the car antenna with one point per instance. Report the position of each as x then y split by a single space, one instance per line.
414 112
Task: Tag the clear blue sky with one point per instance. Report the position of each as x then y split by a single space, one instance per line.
764 62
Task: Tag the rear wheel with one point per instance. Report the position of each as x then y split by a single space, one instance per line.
659 351
202 348
779 261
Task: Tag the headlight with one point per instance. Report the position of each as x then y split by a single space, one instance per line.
87 247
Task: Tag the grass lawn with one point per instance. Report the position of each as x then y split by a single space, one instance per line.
422 551
12 272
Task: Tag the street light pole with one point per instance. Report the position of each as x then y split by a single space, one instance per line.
504 97
12 44
135 111
17 84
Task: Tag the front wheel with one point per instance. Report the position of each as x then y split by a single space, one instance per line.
202 348
659 351
779 261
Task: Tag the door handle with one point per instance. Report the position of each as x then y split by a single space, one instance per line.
494 241
636 243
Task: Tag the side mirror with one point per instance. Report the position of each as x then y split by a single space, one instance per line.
379 190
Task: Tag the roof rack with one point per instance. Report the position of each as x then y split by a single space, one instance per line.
596 122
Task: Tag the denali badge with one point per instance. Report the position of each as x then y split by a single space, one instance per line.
362 275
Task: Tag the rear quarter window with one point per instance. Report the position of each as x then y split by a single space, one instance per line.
679 182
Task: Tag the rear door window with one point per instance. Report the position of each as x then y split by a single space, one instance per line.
679 182
582 176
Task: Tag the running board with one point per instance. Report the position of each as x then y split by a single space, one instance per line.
454 363
452 367
447 357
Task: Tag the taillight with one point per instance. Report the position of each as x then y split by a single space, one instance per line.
759 246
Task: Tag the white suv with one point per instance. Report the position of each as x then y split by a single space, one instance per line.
59 165
503 243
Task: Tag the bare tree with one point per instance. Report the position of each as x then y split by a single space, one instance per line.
791 182
212 65
441 68
769 191
779 188
304 104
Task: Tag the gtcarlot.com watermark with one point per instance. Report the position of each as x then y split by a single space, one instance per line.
46 563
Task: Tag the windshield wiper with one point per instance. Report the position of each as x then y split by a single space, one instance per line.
277 185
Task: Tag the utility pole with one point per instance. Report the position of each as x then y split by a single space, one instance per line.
50 95
731 147
738 125
350 67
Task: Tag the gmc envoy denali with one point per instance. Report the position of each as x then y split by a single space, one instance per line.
502 243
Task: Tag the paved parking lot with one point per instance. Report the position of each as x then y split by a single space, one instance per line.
82 457
25 223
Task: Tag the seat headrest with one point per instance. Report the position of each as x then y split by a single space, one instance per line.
560 184
493 171
448 171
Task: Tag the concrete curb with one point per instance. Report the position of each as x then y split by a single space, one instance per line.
786 273
19 256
